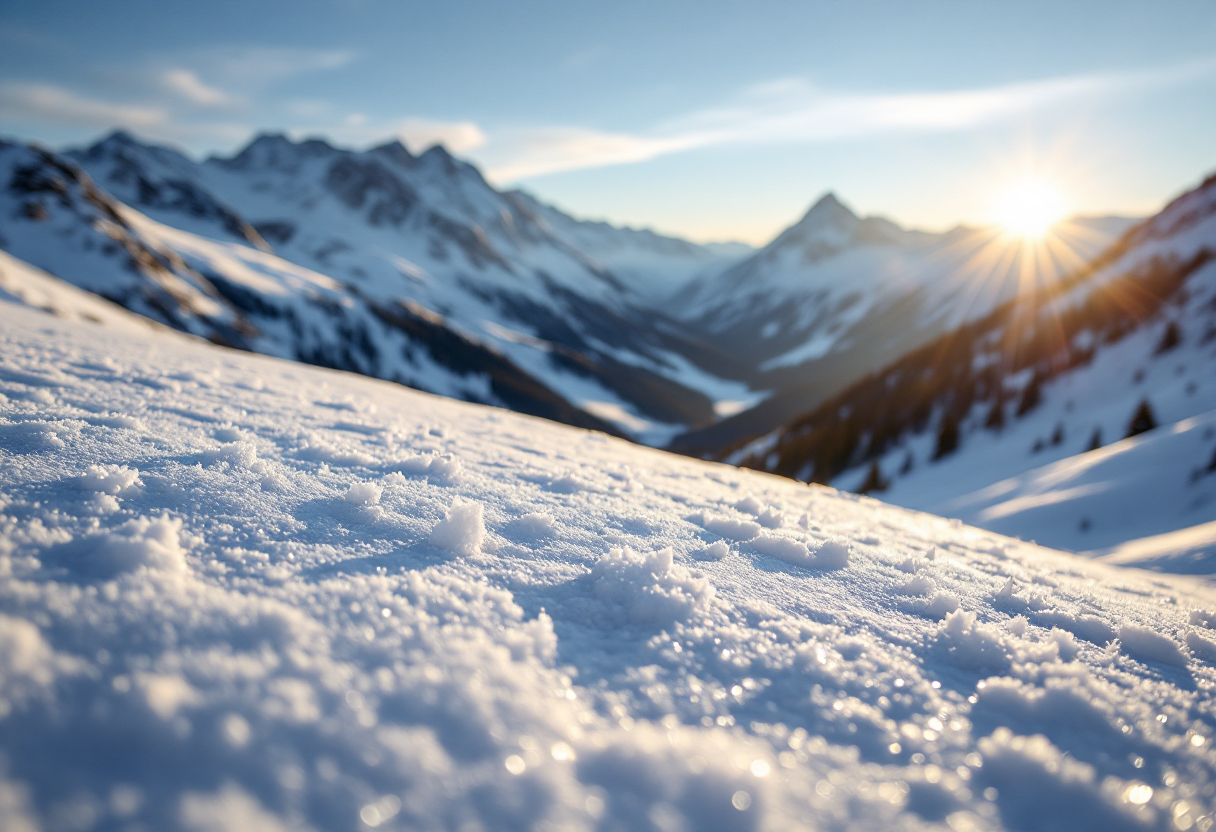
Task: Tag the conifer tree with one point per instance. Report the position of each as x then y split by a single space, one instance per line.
947 437
1142 420
1170 339
874 480
1031 396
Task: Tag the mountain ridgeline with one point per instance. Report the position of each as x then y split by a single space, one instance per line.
413 268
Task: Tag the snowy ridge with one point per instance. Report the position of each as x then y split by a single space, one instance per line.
837 296
431 229
21 283
242 593
368 274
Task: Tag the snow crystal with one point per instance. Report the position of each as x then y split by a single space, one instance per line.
649 587
461 531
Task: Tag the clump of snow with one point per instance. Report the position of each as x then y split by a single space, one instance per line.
1201 648
783 548
241 454
461 531
1149 645
770 518
31 437
138 543
728 527
534 526
566 484
917 585
363 494
113 480
717 550
650 587
749 505
24 654
972 645
833 553
443 469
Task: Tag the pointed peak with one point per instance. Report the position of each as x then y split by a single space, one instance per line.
276 149
828 207
438 152
394 150
117 137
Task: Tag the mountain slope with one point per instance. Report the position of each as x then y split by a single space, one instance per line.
502 267
239 593
1035 382
837 296
244 297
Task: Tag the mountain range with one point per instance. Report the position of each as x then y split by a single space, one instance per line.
959 372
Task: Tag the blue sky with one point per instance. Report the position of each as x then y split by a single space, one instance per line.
710 120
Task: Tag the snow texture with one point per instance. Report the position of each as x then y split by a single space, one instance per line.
284 623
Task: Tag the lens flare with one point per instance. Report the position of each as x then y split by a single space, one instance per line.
1029 208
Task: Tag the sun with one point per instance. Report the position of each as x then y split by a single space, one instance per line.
1028 208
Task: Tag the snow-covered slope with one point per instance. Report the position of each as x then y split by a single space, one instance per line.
652 266
1151 484
240 593
993 422
22 284
837 296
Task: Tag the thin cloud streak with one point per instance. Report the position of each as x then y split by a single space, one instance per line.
186 84
49 104
791 110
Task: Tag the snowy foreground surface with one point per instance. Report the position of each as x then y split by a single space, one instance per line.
238 593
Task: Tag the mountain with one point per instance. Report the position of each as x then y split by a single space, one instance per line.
837 296
238 593
241 296
993 422
399 266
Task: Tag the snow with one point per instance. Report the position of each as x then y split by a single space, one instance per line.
296 617
1018 481
460 531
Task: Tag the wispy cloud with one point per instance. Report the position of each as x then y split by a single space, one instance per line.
793 110
185 83
49 104
260 65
